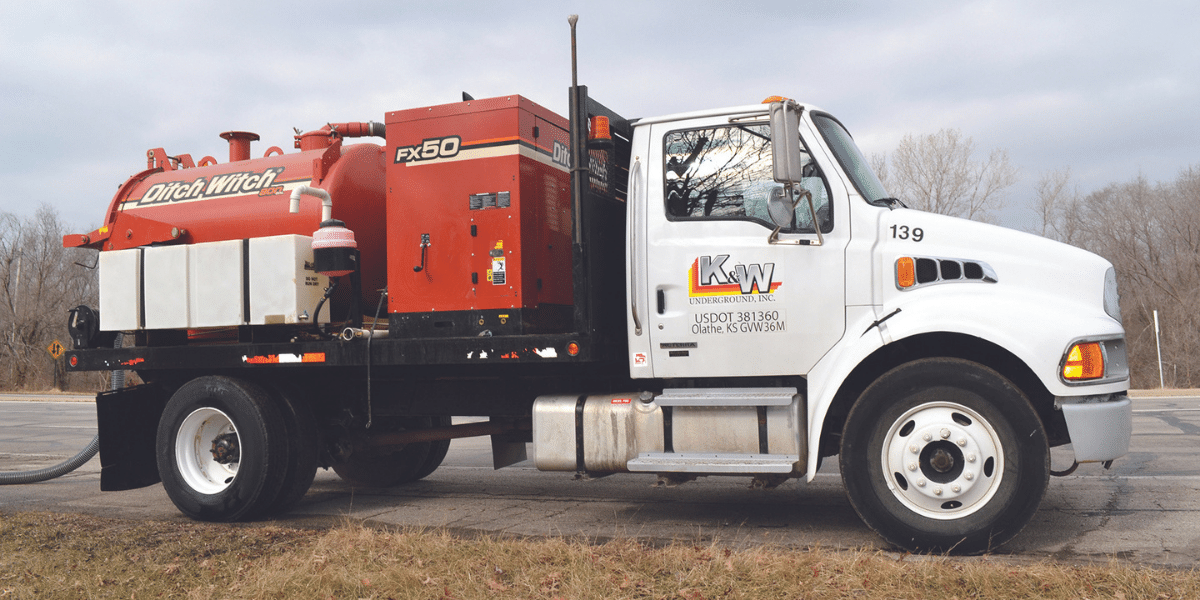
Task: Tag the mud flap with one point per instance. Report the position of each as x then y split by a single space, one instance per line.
127 420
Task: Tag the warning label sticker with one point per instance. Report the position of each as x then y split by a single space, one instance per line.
497 271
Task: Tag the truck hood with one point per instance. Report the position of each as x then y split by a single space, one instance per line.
1058 272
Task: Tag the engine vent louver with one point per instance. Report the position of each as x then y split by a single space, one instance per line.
927 270
946 270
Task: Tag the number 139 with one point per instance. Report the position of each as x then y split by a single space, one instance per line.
902 232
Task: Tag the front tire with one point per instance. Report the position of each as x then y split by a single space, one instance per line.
943 455
222 449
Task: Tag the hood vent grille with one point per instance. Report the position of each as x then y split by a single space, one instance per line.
929 271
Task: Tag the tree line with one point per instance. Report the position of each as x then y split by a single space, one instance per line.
1151 234
1149 231
40 281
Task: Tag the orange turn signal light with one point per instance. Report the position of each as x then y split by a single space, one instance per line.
906 272
1084 361
771 99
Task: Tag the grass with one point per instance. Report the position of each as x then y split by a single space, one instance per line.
45 555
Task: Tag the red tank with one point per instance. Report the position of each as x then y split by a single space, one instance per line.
175 202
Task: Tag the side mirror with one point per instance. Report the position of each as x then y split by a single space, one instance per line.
785 141
780 208
788 162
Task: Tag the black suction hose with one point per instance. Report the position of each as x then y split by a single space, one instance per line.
20 477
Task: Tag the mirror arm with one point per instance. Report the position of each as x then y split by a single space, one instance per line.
812 212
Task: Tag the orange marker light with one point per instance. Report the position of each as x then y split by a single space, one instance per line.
771 99
600 129
1084 361
573 349
906 272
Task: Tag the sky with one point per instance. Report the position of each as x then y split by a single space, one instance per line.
1109 89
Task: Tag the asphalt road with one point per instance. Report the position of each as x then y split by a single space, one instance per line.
1146 509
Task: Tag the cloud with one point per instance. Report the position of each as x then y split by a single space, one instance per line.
1108 88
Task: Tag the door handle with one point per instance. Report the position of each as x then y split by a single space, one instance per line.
662 302
424 245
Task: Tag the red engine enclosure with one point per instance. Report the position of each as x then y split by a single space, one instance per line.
249 198
478 218
465 216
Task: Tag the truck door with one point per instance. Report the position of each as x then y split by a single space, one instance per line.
720 300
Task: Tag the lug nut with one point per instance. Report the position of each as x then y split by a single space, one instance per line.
962 442
970 458
956 489
913 466
921 483
968 476
914 449
927 437
937 491
945 433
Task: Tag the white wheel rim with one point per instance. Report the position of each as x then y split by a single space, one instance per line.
942 460
193 451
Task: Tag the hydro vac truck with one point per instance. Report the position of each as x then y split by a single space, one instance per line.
723 292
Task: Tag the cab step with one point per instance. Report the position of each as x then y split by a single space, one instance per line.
678 462
726 396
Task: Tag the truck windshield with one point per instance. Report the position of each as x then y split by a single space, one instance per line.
851 159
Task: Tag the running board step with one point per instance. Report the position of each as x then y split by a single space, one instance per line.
726 396
665 462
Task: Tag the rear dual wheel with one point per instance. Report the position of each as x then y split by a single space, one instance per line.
944 455
411 463
303 448
231 450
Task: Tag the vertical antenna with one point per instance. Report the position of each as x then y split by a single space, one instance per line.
573 19
576 136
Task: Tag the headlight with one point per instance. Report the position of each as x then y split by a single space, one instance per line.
1112 300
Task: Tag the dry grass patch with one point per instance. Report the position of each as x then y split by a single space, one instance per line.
71 556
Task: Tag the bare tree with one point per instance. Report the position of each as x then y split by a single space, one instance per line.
39 283
879 164
1056 204
1151 234
938 173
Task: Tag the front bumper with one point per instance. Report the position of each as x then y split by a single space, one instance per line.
1099 426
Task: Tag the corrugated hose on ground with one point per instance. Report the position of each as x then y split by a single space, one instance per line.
35 476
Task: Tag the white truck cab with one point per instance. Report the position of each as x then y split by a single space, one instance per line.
939 357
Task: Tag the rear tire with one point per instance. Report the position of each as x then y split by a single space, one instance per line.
944 455
303 448
222 449
410 463
437 451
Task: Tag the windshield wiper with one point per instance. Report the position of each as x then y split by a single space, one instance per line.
891 203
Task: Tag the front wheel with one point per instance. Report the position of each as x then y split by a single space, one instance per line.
944 454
